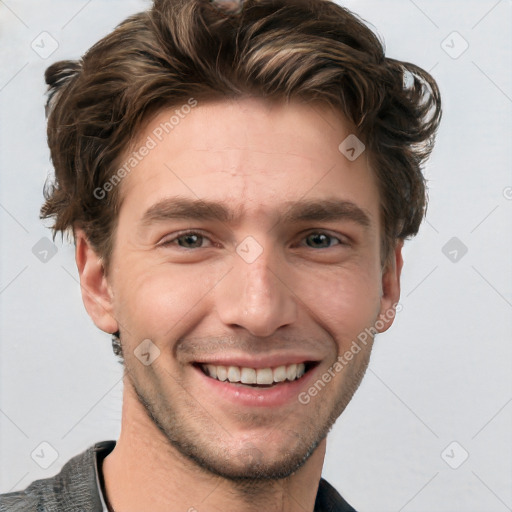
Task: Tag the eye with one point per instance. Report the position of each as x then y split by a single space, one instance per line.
196 240
187 240
321 240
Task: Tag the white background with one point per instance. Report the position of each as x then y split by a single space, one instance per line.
441 374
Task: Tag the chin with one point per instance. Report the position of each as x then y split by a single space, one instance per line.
250 464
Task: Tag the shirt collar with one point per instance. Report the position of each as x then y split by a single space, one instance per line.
327 498
101 450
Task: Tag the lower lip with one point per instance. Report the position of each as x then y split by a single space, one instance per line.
275 396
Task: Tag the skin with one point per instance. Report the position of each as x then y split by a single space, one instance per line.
183 443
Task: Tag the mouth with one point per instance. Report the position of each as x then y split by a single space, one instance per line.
257 377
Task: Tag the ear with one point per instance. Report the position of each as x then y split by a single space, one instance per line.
96 293
390 288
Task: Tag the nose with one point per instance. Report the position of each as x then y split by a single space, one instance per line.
256 296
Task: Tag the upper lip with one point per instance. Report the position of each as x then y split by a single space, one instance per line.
257 361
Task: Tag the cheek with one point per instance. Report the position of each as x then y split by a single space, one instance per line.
344 302
152 301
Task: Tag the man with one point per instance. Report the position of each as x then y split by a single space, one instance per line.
239 181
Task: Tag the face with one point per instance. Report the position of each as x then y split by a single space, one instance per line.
246 262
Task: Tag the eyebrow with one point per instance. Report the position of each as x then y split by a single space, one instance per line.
294 211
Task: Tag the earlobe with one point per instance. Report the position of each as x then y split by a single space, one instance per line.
390 288
96 293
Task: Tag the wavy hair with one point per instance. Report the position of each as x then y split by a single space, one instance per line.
273 49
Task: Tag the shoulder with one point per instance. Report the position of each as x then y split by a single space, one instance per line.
73 489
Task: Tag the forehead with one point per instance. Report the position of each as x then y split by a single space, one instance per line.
249 153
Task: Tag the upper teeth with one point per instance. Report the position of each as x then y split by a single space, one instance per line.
255 375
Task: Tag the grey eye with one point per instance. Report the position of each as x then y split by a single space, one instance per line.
190 241
319 240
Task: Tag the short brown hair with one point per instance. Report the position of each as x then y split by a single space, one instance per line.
274 49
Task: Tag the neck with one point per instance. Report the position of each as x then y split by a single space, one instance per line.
145 472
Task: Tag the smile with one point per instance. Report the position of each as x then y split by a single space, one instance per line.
255 377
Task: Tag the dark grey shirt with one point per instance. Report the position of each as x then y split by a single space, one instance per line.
77 488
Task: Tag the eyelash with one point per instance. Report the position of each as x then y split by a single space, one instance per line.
170 242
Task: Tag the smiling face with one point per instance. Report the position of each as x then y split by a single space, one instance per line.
247 248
